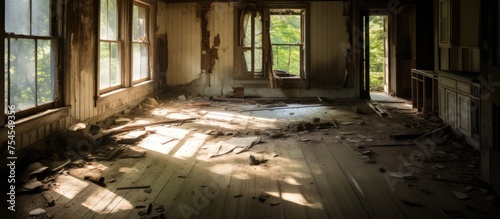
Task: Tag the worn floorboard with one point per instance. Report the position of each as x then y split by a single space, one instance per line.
315 174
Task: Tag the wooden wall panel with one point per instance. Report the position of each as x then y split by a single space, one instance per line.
183 29
221 22
328 32
81 59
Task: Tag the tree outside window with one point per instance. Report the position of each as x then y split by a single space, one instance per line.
30 54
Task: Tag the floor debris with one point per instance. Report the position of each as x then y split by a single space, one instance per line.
400 175
411 203
32 184
122 121
57 165
256 161
37 212
460 195
132 137
238 145
50 200
95 178
263 197
33 168
133 187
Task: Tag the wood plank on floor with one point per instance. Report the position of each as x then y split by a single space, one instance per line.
349 201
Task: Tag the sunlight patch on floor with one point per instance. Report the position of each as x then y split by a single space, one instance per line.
191 146
296 198
76 185
112 201
164 140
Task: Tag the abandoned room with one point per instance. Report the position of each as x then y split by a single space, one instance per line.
250 109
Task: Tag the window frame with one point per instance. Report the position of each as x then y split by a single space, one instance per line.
301 45
252 48
125 35
54 36
240 74
147 42
444 42
120 47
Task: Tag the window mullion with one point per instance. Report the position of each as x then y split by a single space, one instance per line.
36 73
8 72
31 17
253 44
109 64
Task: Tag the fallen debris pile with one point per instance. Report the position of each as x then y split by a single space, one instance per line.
306 126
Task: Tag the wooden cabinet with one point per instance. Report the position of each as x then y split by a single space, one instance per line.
451 108
424 90
464 114
458 98
441 102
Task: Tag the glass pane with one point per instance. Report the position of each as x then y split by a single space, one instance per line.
6 71
114 70
104 20
112 20
286 58
444 9
444 31
41 17
17 16
144 61
247 30
22 73
247 60
139 23
104 60
135 23
258 30
258 60
136 61
285 29
45 71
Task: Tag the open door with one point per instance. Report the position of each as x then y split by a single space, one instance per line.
386 54
365 55
405 54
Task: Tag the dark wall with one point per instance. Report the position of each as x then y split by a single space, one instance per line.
425 35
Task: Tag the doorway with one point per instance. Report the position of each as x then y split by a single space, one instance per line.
388 51
379 53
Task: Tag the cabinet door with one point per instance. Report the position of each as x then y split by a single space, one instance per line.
451 108
442 103
464 114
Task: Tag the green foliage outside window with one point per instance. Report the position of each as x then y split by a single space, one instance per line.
376 53
286 29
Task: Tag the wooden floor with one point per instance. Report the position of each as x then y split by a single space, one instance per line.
308 174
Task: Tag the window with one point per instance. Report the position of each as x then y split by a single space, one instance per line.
287 41
251 43
140 43
271 40
31 53
444 22
110 75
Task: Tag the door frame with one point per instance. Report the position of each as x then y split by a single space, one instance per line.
367 9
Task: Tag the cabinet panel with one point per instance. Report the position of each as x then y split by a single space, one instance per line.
451 108
464 87
464 114
442 102
448 82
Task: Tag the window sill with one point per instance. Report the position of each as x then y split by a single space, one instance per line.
38 120
111 96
